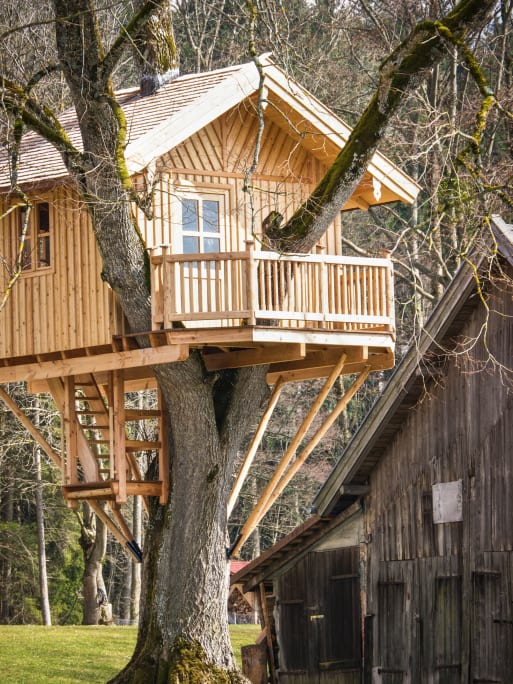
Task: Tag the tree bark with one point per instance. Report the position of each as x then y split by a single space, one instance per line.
40 524
93 540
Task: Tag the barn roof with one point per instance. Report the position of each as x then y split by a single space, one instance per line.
157 123
406 385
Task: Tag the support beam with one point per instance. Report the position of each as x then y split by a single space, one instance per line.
305 453
256 514
54 456
117 434
280 485
150 356
255 443
254 357
30 427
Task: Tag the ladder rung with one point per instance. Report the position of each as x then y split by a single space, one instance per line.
136 445
99 441
85 412
141 414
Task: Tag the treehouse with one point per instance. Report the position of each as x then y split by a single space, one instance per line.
215 284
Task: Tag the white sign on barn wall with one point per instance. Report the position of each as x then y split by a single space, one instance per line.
448 502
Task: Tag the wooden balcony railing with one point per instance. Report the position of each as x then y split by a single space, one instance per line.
317 291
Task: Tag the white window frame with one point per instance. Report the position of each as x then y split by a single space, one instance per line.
177 231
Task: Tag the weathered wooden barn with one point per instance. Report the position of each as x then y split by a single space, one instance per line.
405 573
313 315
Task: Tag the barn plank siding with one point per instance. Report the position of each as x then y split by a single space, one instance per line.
441 594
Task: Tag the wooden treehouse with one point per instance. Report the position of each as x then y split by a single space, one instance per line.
214 286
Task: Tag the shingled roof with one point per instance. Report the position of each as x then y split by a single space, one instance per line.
159 122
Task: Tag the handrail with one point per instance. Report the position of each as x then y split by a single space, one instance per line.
322 291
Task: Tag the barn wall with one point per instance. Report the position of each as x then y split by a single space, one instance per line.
440 594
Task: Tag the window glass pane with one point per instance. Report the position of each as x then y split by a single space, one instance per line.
190 215
43 256
26 257
210 216
190 245
211 244
43 217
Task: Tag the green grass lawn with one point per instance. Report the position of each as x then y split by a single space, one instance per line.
31 654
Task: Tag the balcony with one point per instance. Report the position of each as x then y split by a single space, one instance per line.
324 302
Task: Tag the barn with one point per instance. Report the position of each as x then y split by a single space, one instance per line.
404 574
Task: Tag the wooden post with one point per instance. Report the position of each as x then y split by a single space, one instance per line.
167 289
118 436
389 288
323 287
255 443
70 428
163 449
268 634
256 514
251 282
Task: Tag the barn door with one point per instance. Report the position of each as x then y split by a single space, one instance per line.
339 631
319 618
396 628
491 652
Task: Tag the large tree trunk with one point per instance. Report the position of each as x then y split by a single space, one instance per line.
40 525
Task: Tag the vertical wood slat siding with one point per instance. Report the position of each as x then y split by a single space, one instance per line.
460 591
66 306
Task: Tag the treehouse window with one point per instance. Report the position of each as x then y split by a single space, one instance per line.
36 253
201 225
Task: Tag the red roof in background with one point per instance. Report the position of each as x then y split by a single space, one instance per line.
235 566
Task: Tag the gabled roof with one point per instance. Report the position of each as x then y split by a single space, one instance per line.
406 385
159 122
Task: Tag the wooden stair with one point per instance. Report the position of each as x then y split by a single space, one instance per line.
98 413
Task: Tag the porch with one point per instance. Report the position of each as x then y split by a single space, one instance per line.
256 306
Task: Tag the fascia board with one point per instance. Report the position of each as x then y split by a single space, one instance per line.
337 131
227 94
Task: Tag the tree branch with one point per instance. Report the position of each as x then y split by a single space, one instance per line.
400 74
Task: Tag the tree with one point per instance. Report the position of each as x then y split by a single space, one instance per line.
183 633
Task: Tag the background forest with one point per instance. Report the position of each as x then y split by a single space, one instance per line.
334 48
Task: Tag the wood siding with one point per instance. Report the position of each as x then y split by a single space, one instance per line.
441 594
65 306
318 605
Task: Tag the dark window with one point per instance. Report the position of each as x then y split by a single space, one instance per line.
35 224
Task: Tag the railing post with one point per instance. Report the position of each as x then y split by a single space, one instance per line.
386 254
323 286
251 282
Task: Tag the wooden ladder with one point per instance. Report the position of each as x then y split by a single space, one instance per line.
98 413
